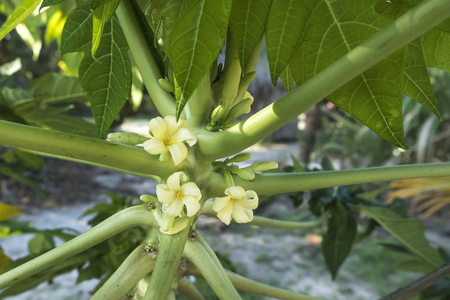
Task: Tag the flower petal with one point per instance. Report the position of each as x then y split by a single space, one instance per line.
158 127
191 189
192 205
239 215
184 134
172 125
175 208
236 192
220 202
225 214
173 182
164 194
154 146
250 201
178 225
179 152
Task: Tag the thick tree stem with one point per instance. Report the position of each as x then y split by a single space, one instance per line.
406 28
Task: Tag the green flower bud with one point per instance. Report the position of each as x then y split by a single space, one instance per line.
231 124
167 85
262 166
246 174
231 83
127 138
217 114
148 199
242 107
239 158
234 169
243 86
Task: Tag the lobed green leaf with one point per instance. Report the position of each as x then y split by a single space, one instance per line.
248 20
195 43
101 15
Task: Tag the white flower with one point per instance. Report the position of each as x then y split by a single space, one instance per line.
237 205
169 137
178 193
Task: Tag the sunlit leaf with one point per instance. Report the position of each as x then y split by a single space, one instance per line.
247 23
436 49
375 97
410 232
23 10
195 43
107 77
287 78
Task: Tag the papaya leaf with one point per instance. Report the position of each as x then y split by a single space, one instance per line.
248 20
338 240
416 83
101 15
410 232
47 3
374 97
195 43
287 78
97 3
23 10
77 32
163 16
107 77
285 25
4 261
436 49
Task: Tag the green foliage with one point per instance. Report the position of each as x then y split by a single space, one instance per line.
195 42
101 15
338 240
25 8
105 78
44 103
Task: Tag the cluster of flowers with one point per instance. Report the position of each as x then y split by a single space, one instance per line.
168 137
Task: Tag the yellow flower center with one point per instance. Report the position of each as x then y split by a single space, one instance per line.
167 142
180 195
233 200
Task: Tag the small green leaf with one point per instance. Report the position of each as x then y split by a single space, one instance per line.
40 243
101 15
195 43
248 20
338 240
410 232
285 25
23 10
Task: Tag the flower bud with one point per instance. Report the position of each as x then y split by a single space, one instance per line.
167 85
239 158
243 86
231 83
246 174
127 138
242 107
217 114
262 166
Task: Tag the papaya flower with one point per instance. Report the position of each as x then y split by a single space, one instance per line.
168 137
237 205
177 194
